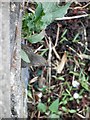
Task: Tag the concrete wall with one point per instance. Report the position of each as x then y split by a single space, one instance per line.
11 85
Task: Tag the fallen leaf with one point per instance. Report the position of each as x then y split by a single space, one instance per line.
61 65
33 80
38 96
41 81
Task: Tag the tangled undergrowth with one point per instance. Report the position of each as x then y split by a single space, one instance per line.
60 89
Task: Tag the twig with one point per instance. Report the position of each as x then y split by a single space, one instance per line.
82 6
38 115
85 34
47 44
74 75
54 50
84 46
29 9
80 115
72 17
38 49
74 51
58 29
49 61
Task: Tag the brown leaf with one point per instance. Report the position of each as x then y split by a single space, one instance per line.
41 81
33 80
38 96
61 64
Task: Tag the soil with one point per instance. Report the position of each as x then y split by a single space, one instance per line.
73 26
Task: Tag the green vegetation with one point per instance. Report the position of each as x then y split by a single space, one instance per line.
45 14
69 85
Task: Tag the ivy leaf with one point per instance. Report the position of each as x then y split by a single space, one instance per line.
41 107
24 56
37 37
54 106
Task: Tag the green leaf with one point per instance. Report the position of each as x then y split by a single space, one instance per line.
61 11
71 98
45 13
49 7
54 116
85 85
72 111
76 37
24 56
30 25
60 78
37 37
64 109
74 73
29 94
41 107
52 11
65 102
38 11
64 33
84 81
44 51
54 106
68 92
39 72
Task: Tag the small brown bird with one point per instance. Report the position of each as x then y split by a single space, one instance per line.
35 60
